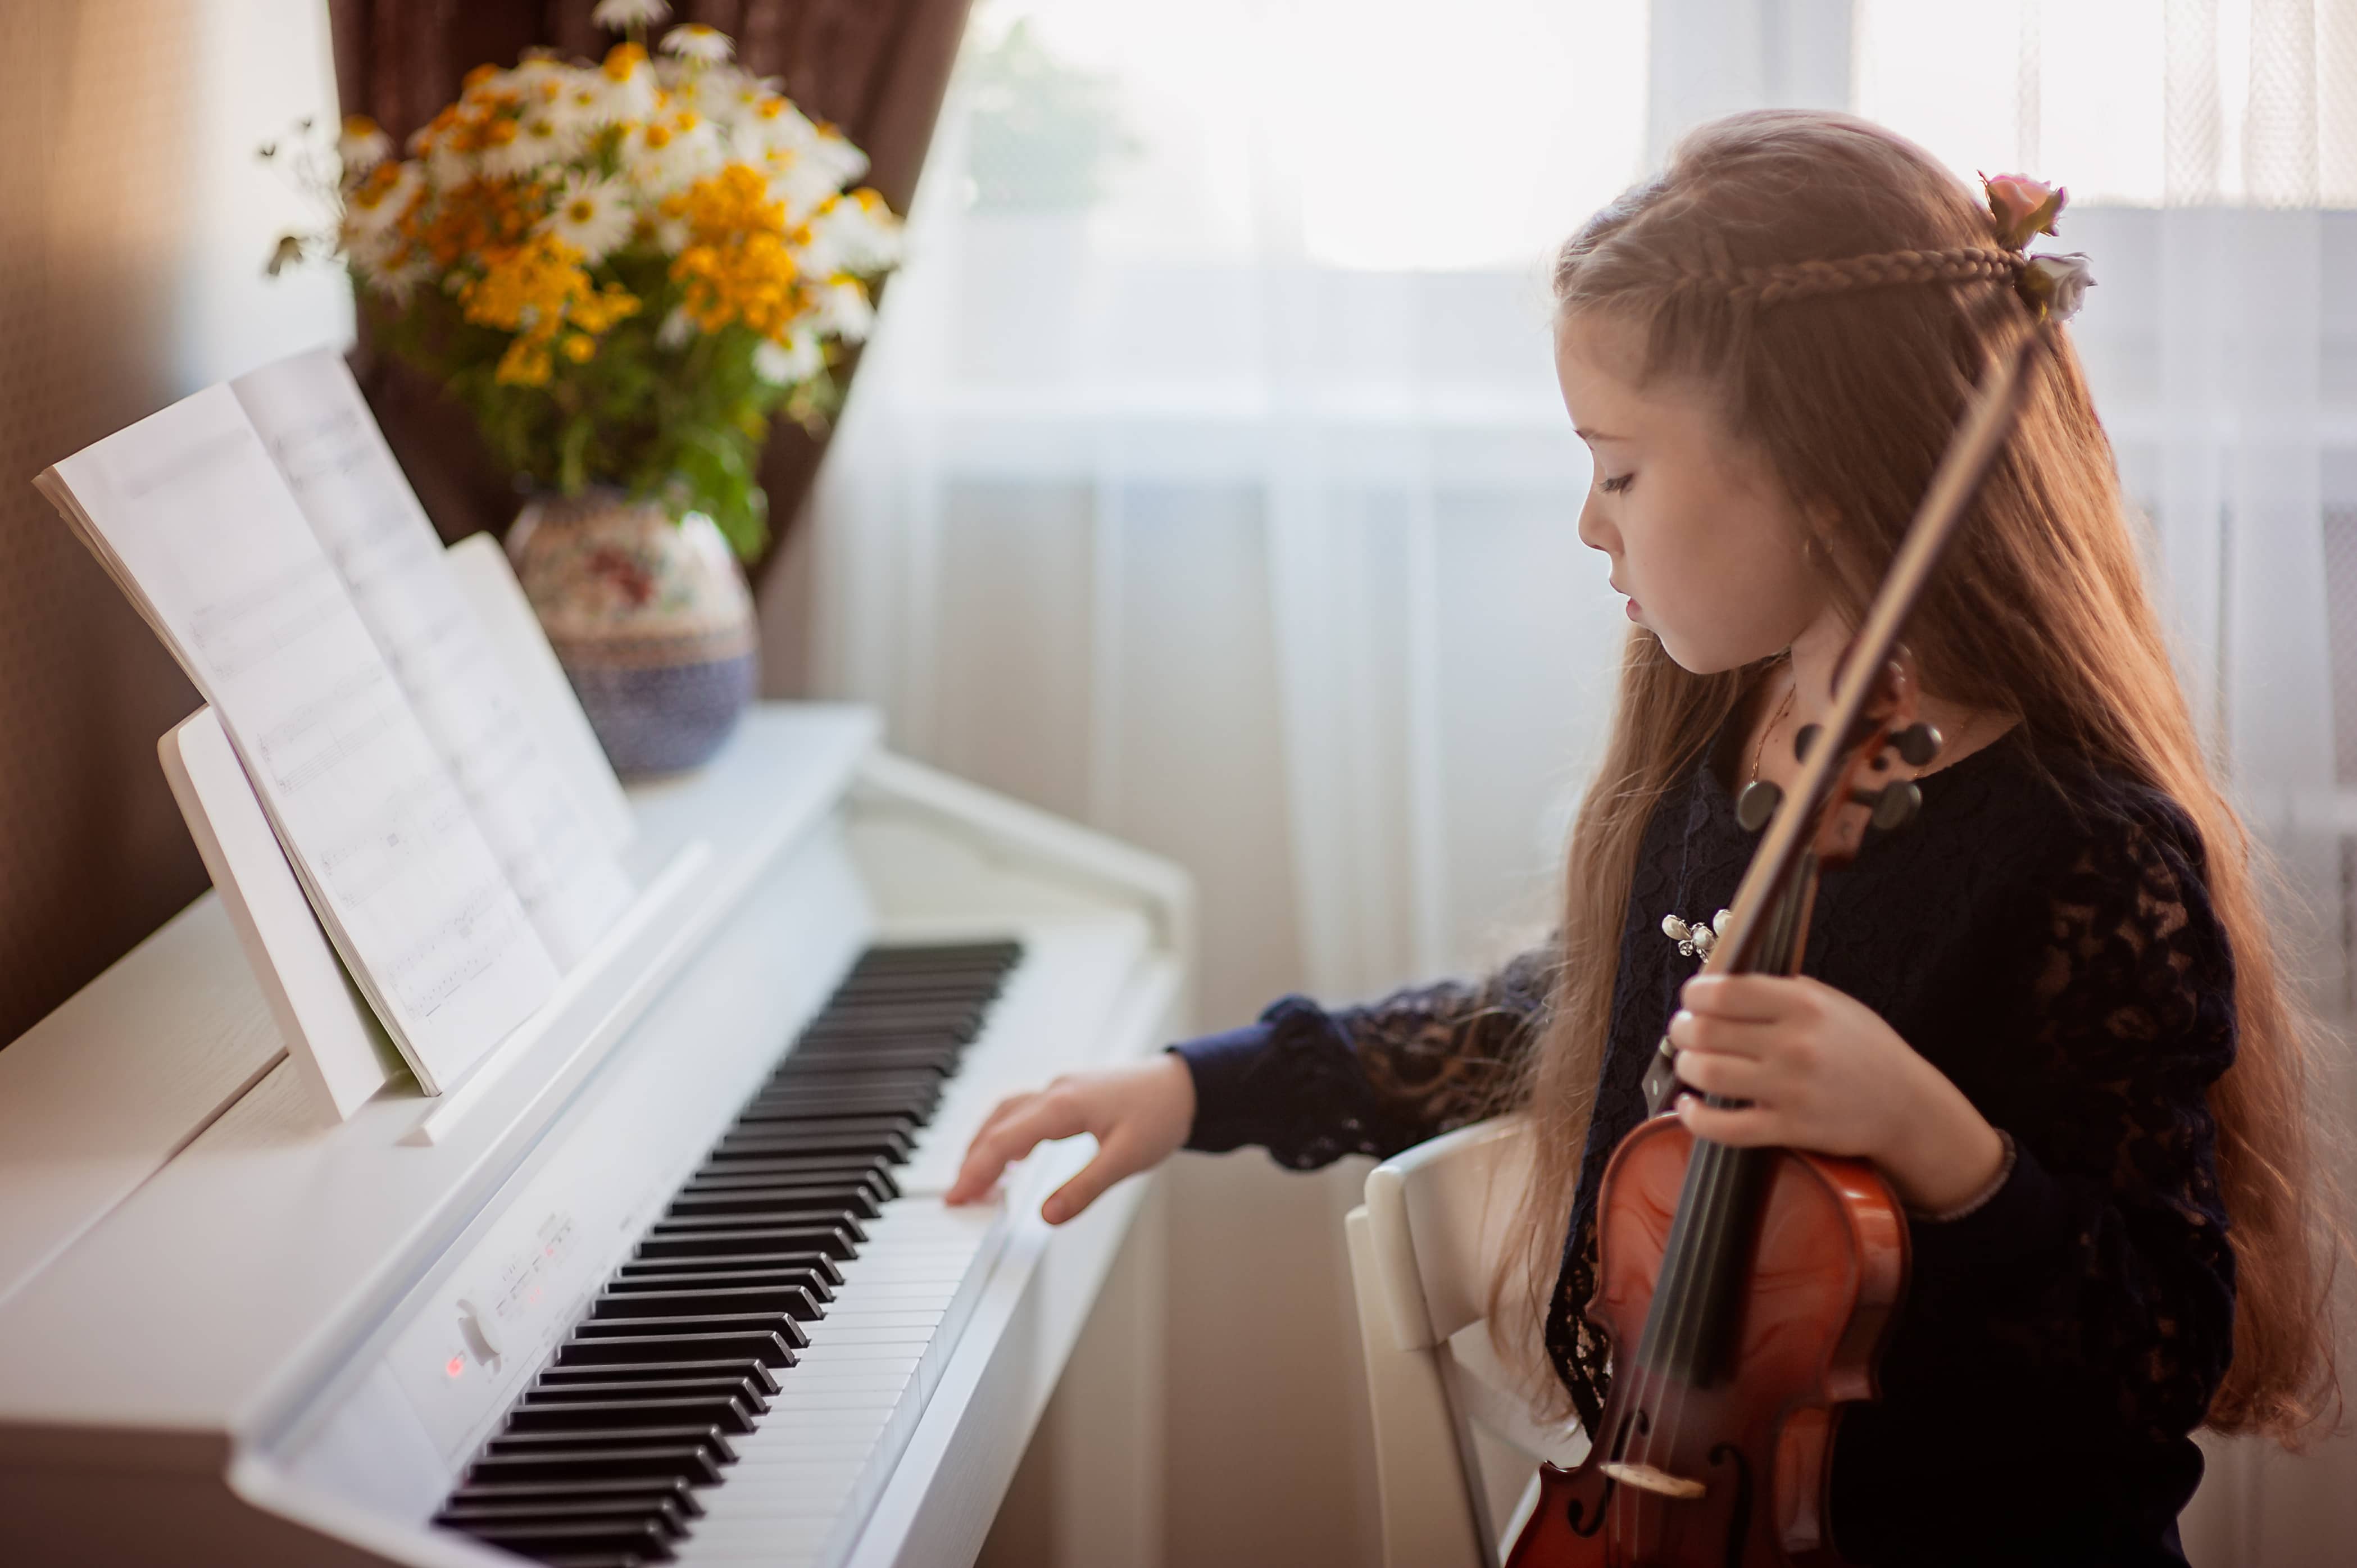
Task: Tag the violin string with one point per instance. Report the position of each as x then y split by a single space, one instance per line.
1688 1319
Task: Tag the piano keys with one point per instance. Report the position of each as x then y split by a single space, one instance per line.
794 1200
686 1295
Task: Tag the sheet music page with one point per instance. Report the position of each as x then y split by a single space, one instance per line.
318 429
194 517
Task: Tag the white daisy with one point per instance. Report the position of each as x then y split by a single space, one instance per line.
449 167
712 90
543 136
583 103
852 233
671 153
761 122
593 216
619 16
398 282
789 363
678 329
372 208
805 176
840 308
695 41
362 144
630 89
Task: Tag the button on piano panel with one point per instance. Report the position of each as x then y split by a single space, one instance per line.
764 1334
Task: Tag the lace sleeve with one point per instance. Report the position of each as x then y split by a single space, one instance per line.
2101 1269
1311 1085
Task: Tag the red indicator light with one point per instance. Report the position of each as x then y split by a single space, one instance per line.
455 1365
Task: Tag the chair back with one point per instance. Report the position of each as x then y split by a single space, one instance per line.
1456 1444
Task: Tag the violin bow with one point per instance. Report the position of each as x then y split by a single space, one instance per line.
1988 419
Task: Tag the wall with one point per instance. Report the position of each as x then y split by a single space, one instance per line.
135 220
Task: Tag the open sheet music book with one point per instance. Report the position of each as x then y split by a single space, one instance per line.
267 535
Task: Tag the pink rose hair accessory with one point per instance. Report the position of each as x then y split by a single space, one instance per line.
2019 207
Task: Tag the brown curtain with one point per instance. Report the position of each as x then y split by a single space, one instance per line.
876 67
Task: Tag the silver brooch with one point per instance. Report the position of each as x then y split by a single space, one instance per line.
1695 941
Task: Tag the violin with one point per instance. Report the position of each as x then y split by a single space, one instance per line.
1747 1293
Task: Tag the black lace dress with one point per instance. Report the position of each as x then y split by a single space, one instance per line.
2043 936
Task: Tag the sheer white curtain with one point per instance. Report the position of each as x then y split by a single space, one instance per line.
1208 481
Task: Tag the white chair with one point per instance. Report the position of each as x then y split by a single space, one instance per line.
1457 1448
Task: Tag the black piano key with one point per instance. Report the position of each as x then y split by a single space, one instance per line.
944 1020
698 1324
743 1389
688 1462
917 988
723 1185
591 1560
937 955
917 1089
841 1070
736 1206
753 1173
785 1119
655 1493
818 1101
673 1226
760 1142
724 1279
820 1283
895 1050
948 1037
598 1439
839 1241
792 1300
641 1541
757 1373
765 1345
539 1415
662 1513
817 1262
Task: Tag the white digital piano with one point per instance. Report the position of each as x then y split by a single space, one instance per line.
675 1283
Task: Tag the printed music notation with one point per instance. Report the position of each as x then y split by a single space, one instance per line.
485 924
332 456
196 520
331 730
247 629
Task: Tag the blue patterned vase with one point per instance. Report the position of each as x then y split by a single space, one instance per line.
651 618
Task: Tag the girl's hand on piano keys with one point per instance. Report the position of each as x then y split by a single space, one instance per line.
1138 1114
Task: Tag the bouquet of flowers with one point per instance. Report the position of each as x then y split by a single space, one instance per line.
621 269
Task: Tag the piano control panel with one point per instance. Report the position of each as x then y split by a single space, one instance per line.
463 1355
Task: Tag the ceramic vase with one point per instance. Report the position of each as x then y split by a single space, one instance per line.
651 618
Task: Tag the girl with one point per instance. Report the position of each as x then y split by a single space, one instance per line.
2049 1009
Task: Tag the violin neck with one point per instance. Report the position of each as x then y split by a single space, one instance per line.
1690 1327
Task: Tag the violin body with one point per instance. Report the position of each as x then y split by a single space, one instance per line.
1809 1320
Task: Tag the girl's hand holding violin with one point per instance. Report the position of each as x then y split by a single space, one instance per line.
1824 1073
1138 1114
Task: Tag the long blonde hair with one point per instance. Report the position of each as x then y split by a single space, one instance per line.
2040 615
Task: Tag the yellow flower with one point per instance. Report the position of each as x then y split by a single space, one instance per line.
736 265
537 290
